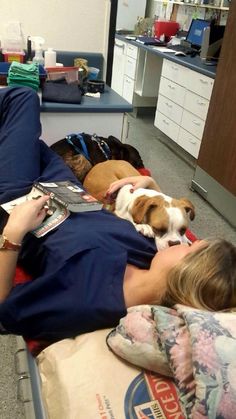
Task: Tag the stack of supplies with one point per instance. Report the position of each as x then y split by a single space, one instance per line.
24 75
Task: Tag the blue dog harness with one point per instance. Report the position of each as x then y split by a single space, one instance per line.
102 145
84 150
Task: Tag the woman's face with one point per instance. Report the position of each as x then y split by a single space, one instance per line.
169 257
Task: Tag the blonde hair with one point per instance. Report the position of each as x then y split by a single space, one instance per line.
204 279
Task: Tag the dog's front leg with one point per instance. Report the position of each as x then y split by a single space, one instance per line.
144 229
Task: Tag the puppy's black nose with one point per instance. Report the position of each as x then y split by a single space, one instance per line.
173 243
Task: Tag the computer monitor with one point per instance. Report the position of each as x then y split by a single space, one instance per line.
195 33
211 42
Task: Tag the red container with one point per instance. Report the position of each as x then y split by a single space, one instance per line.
167 28
9 57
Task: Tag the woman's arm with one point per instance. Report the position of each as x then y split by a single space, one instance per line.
136 182
24 218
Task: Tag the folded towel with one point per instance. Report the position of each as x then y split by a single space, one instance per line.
23 75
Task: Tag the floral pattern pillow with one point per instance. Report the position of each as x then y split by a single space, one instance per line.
135 339
175 338
196 347
213 340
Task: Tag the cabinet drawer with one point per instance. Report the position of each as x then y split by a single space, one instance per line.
170 128
128 89
196 104
199 83
132 51
174 72
130 67
193 124
189 143
173 91
120 47
169 108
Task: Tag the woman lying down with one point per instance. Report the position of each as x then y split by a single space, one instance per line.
89 270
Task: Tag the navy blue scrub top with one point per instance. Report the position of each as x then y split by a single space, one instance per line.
78 270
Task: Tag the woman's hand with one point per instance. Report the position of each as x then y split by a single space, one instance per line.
25 217
135 181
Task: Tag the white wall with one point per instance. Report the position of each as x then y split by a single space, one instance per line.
72 25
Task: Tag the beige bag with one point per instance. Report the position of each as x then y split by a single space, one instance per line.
82 378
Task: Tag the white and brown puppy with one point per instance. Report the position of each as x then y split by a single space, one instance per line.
153 213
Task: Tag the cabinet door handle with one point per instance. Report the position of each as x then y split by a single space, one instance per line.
169 105
165 122
171 87
120 46
201 103
174 68
127 81
193 142
196 123
203 81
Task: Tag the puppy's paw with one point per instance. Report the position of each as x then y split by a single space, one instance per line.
145 230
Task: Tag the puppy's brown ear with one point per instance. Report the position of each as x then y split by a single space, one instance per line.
140 208
189 207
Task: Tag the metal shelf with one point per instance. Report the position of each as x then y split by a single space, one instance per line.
204 6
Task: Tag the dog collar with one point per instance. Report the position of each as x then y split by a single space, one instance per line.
84 150
103 146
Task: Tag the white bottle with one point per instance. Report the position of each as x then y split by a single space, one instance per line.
50 58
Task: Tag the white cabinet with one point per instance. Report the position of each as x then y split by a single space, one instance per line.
118 67
130 72
136 74
198 83
167 107
124 69
166 125
128 89
172 90
189 142
182 105
198 105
